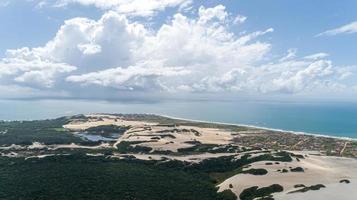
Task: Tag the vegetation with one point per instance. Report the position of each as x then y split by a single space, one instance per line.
226 166
298 156
305 189
175 122
72 174
132 147
43 131
297 169
228 194
345 181
299 185
256 192
255 171
211 148
82 177
107 130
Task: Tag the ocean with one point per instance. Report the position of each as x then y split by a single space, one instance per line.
332 119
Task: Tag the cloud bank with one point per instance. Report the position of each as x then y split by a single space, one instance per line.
198 54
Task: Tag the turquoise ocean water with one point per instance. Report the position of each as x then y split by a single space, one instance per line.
334 119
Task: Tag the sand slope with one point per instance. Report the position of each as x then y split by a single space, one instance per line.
317 170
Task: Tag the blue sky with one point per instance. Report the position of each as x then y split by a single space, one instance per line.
280 27
295 23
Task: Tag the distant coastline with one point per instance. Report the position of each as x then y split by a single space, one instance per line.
260 127
332 120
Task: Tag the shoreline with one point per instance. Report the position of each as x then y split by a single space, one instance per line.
260 127
215 122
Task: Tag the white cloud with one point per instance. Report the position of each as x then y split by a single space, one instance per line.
297 75
86 44
89 49
25 67
305 78
80 44
130 7
290 55
207 14
141 77
249 37
229 81
203 46
317 56
107 42
239 19
192 54
346 29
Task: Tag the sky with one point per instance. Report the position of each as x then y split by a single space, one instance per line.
178 49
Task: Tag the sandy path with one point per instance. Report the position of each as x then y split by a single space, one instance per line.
343 149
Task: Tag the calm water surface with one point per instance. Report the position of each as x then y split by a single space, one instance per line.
335 119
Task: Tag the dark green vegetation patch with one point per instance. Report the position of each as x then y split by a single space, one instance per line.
107 130
132 147
81 177
257 172
305 189
260 193
43 131
297 169
299 186
210 148
345 181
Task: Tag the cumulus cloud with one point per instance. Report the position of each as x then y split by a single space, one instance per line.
129 7
192 54
80 44
23 66
204 45
107 42
239 19
88 49
345 29
286 76
141 77
207 14
296 80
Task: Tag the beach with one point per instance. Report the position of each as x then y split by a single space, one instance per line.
336 119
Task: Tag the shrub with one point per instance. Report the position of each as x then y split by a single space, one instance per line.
255 192
345 181
255 171
297 169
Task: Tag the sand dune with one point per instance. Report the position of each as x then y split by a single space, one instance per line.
317 170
